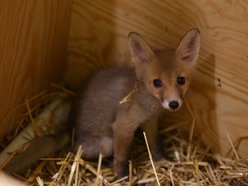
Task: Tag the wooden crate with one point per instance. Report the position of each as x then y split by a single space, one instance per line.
35 46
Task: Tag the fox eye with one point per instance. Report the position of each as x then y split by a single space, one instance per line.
157 83
180 80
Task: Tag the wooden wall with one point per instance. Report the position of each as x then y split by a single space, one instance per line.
33 41
219 94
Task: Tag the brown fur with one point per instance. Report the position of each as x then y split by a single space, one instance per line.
103 125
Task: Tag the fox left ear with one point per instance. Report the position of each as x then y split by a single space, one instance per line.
189 47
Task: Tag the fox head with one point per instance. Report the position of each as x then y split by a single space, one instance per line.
166 74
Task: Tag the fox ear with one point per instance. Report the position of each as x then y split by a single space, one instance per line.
140 50
189 47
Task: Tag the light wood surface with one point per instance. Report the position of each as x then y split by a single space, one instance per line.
33 41
219 94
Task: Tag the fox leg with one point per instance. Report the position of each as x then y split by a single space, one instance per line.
123 136
150 127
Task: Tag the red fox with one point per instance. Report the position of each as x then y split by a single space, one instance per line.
115 102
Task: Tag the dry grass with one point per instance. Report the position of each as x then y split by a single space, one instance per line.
192 164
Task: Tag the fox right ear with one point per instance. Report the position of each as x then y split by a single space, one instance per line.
140 50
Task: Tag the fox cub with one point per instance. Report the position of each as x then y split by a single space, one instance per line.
115 102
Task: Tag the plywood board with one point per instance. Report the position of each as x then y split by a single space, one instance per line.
33 41
219 94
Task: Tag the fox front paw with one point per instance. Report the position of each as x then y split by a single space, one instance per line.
157 155
121 168
157 152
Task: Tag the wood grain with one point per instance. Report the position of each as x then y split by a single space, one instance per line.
33 41
219 94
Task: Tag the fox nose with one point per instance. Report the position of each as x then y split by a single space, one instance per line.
174 104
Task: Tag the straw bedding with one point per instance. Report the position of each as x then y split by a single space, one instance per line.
187 161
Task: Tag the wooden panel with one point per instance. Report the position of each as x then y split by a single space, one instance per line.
33 41
219 94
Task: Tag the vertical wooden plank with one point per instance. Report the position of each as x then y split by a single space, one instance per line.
33 41
219 94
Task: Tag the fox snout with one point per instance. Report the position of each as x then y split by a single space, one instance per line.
172 105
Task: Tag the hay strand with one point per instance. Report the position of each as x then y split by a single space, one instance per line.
130 173
232 146
150 157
